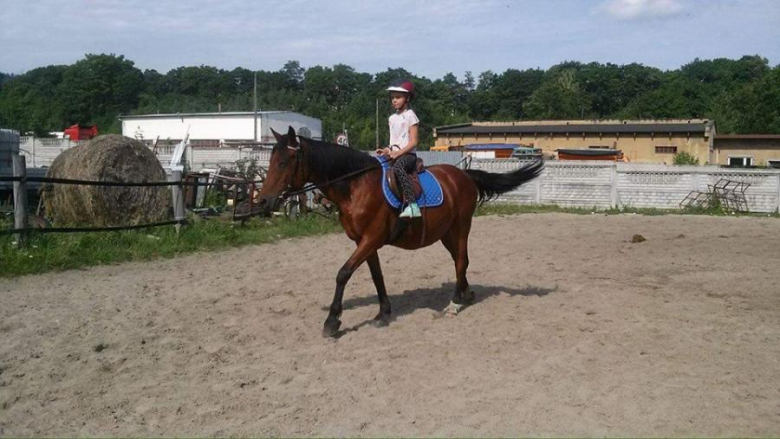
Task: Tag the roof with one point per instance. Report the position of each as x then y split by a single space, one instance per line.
224 114
578 128
490 146
590 152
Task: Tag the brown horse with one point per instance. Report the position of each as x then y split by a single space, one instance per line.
352 180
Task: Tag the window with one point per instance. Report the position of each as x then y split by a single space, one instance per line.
773 163
740 161
666 150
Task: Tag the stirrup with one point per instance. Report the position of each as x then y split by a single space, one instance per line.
411 211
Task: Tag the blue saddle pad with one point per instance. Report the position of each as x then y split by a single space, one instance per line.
432 195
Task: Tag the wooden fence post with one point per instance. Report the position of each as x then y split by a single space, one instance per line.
178 199
20 199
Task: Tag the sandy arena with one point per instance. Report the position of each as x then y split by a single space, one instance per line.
576 331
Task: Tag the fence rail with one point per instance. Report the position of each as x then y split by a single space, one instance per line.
20 180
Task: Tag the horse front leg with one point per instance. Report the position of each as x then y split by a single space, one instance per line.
364 250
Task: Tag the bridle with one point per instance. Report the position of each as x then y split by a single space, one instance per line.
286 193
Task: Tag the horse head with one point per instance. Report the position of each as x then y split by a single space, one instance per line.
286 171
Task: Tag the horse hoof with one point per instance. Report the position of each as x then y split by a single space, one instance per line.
453 309
380 321
331 328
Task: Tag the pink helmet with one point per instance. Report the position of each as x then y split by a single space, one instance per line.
403 86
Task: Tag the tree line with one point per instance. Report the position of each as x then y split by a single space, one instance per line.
742 96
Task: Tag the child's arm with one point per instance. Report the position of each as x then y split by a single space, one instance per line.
412 143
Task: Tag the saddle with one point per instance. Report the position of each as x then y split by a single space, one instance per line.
413 176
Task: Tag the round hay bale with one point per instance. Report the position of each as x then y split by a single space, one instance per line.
111 158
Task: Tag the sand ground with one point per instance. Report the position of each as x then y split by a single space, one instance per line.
576 331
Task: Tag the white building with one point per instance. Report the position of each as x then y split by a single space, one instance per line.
219 129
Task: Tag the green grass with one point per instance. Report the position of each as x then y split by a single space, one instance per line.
52 252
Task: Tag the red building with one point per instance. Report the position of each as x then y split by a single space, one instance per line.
81 132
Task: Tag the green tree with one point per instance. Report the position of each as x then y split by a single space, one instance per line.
29 103
684 158
742 95
99 88
292 74
512 89
559 97
755 107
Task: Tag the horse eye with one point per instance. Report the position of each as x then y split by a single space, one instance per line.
282 164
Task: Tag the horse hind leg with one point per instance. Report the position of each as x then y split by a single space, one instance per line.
383 318
457 244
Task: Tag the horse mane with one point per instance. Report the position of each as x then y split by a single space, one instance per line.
332 161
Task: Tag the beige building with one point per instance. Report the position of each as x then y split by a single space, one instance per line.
748 150
641 141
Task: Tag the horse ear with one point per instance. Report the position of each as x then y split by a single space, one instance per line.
292 138
276 135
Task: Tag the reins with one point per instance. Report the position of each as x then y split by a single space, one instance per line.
313 186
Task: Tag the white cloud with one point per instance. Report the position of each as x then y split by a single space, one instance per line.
638 9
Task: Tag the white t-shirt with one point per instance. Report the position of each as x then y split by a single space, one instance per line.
399 128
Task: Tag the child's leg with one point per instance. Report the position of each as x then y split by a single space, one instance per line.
402 177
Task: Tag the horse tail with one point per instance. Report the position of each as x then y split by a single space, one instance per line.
491 185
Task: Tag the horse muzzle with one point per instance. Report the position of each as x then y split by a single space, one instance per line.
269 203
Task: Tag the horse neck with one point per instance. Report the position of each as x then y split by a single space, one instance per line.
326 163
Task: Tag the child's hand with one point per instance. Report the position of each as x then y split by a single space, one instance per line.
383 151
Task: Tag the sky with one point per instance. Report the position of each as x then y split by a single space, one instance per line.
428 38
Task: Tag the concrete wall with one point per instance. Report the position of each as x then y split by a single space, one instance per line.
605 184
39 152
196 158
214 158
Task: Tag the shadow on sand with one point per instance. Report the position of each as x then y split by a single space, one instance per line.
435 299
